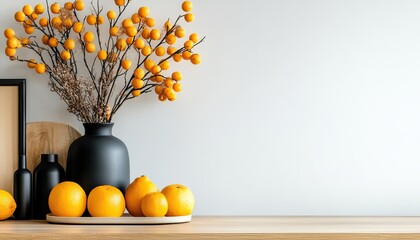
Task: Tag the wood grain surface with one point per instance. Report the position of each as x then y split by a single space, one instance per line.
48 137
294 228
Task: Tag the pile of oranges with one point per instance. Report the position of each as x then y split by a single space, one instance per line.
142 198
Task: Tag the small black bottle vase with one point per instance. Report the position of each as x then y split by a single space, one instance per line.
46 175
22 190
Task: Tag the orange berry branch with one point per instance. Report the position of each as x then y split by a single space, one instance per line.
86 70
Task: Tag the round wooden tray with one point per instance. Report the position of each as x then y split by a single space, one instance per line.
125 219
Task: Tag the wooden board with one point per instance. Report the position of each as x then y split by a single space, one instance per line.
48 137
126 219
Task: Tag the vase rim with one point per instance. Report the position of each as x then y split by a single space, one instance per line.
111 123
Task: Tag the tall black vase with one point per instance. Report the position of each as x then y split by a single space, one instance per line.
98 158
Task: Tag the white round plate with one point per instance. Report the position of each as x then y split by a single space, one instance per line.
125 219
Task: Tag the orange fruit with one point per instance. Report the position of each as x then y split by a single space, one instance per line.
139 43
131 31
177 57
169 93
53 42
55 8
29 30
148 64
7 205
34 16
156 69
127 23
195 59
179 32
68 5
143 12
25 41
180 199
168 82
100 20
162 97
167 25
189 17
194 37
171 50
9 33
78 27
56 22
31 63
150 22
13 43
155 34
164 65
45 39
154 205
177 76
170 39
106 201
145 33
135 192
114 31
137 83
157 78
102 55
69 44
135 18
186 55
39 9
111 14
187 6
189 45
121 44
136 93
160 51
79 5
67 199
19 16
158 89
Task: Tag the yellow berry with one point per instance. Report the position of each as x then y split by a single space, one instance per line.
100 20
34 16
169 92
129 40
177 57
167 25
29 30
145 33
139 73
155 34
168 82
40 68
162 97
189 17
69 44
171 50
131 31
114 31
56 22
194 37
78 27
160 51
68 6
179 32
31 63
43 22
135 18
90 47
126 64
88 37
171 39
67 23
10 52
189 45
186 55
45 39
195 59
127 23
65 55
121 44
164 65
150 22
139 43
146 51
177 76
177 87
111 14
79 5
148 64
55 8
27 10
158 89
119 2
157 78
156 69
137 83
102 55
136 93
143 12
24 41
53 42
9 33
91 19
19 16
187 6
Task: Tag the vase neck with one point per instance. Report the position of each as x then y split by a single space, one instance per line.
98 128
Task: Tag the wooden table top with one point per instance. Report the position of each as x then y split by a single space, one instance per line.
227 228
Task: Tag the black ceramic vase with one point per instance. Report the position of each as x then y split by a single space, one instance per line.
98 158
46 175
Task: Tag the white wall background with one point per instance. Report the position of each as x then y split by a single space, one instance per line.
299 107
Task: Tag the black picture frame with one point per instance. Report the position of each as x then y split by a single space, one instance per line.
21 85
